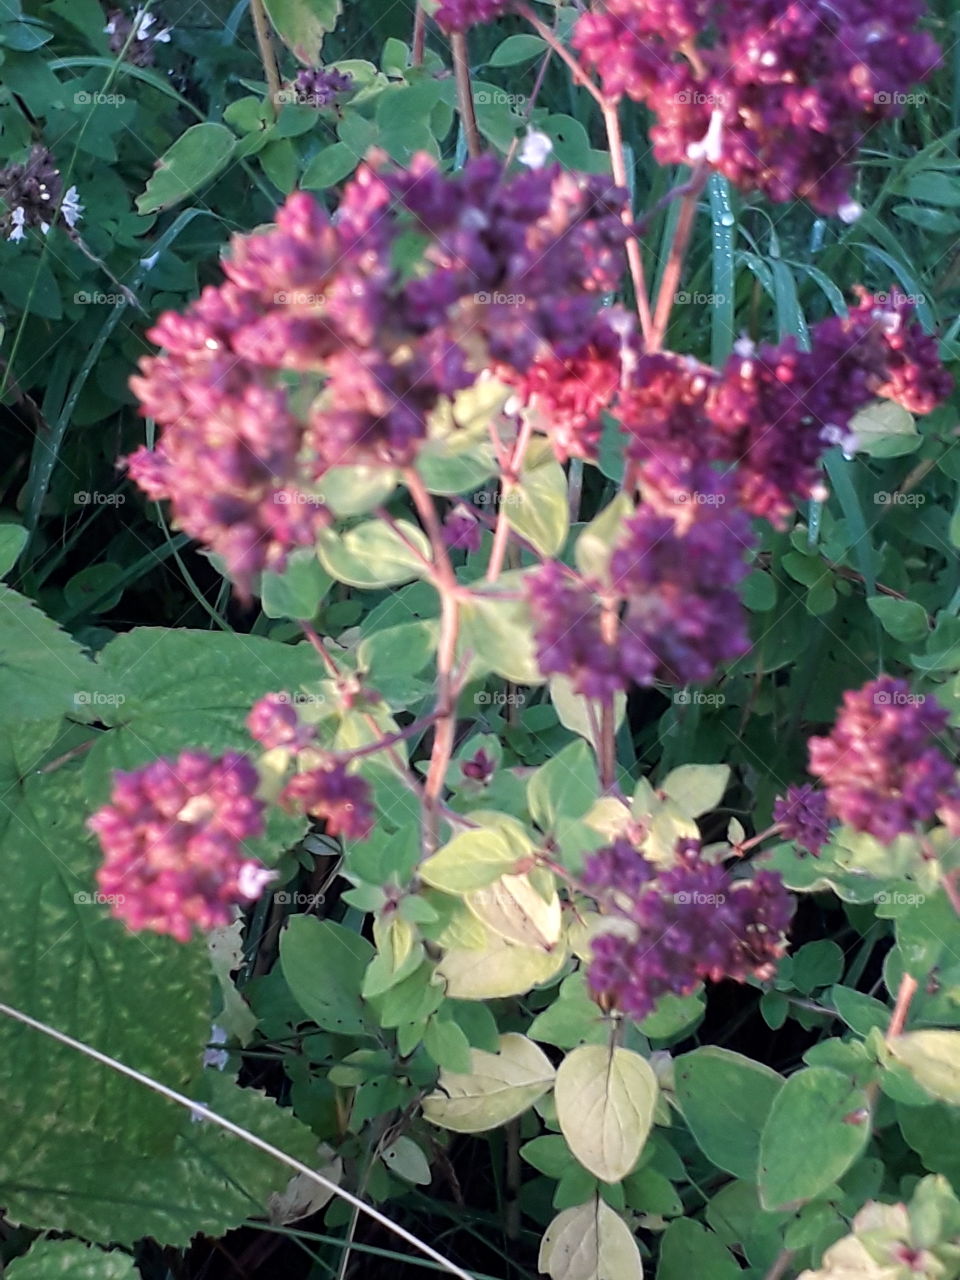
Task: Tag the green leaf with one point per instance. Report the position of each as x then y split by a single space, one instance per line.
302 25
195 159
817 1127
905 620
471 860
324 964
13 538
499 633
932 1059
498 1087
688 1249
328 167
375 555
565 787
516 49
406 1160
537 506
43 672
726 1099
605 1100
356 490
447 1043
596 542
697 788
590 1242
71 1260
884 429
861 1013
298 590
817 964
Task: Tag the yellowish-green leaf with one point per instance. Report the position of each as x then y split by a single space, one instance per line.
596 542
374 555
472 860
605 1102
537 506
497 632
590 1242
499 1087
883 429
500 968
514 909
575 711
697 788
933 1059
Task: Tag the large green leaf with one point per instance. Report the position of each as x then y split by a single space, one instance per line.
324 964
725 1099
819 1123
42 671
195 159
688 1249
71 1260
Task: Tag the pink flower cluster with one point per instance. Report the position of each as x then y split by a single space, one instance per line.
883 765
513 270
776 94
677 927
458 15
172 838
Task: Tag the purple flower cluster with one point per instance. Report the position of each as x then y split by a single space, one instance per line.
672 613
803 818
777 94
459 15
273 722
671 929
513 270
881 766
172 837
341 800
320 86
772 411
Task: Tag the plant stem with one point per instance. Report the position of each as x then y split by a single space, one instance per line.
579 75
465 103
446 710
419 36
780 1264
906 992
268 56
608 750
511 474
678 252
611 119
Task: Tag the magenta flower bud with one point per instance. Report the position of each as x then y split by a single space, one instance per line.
340 799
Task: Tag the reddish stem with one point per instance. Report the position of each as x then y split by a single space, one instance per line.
678 252
465 103
611 119
579 75
511 474
419 36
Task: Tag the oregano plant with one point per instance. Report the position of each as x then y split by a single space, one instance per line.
462 846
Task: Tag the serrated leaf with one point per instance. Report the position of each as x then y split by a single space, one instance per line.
818 1125
498 1087
590 1242
725 1099
302 25
43 672
13 538
195 159
605 1099
933 1059
71 1260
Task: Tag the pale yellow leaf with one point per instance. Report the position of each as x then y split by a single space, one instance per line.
500 968
498 1087
590 1242
471 860
605 1103
933 1059
513 908
697 788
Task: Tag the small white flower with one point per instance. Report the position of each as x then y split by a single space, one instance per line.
143 22
44 227
217 1058
71 208
111 27
150 262
850 211
710 146
19 230
252 879
535 149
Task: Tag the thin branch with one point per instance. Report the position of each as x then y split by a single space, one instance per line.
268 55
419 36
611 119
678 252
465 103
545 34
511 474
204 1113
